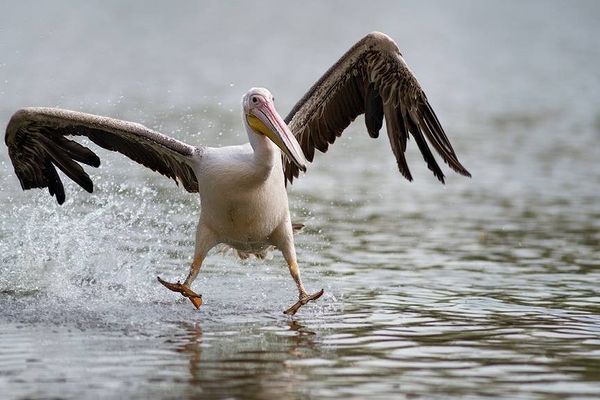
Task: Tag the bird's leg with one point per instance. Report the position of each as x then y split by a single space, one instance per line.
204 242
283 239
303 296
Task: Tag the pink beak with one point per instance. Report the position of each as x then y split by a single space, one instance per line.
280 134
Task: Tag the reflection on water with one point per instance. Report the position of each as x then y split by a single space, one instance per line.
483 287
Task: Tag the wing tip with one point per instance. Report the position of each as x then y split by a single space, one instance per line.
95 161
456 166
90 188
464 172
441 177
403 168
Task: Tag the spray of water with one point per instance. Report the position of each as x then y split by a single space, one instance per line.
95 259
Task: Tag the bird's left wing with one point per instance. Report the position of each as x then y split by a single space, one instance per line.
37 143
370 78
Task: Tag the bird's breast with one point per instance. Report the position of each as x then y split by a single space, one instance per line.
248 217
242 211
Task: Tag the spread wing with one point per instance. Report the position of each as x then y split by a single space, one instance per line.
38 141
371 78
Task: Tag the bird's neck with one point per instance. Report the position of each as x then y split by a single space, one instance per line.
266 153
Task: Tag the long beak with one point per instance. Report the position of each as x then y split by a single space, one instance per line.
276 129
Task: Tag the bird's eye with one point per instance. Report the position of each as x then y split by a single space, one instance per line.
254 100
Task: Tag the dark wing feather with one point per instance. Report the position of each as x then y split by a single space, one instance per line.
371 78
37 144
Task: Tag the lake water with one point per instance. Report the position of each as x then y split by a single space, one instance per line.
484 287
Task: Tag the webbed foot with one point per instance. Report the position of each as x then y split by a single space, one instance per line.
185 291
305 299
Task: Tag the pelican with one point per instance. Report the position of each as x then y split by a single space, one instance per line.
242 189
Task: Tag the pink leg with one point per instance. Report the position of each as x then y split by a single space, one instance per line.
289 253
205 240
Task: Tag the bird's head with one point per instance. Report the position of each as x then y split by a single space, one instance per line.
263 119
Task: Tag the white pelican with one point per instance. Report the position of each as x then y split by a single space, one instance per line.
242 189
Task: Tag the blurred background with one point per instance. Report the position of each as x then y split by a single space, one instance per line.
484 286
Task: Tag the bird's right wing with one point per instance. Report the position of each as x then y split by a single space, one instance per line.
37 143
373 79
